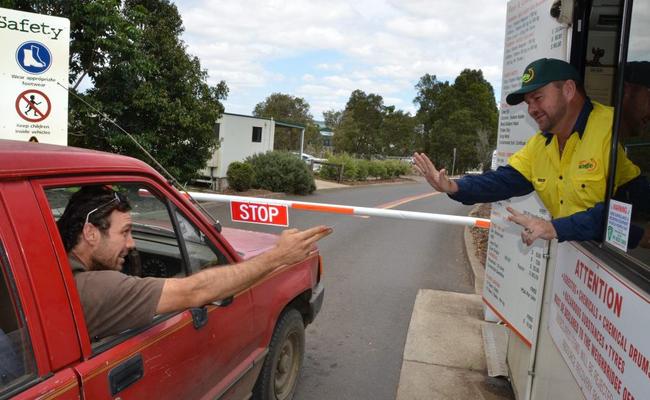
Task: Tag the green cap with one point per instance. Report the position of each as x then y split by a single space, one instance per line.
540 73
638 73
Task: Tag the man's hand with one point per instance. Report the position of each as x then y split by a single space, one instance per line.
295 245
438 179
534 228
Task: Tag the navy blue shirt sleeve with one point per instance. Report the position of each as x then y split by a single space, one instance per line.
589 224
583 225
490 186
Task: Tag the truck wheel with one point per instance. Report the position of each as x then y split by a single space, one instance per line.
279 375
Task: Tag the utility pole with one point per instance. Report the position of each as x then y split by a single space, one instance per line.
453 163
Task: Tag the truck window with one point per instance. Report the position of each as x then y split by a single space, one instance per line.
634 135
201 252
158 252
16 358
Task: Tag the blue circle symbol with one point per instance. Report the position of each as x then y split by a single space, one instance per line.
33 57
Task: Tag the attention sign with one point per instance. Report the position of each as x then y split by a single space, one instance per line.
256 213
599 323
34 57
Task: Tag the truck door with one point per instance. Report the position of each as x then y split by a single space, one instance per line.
198 353
29 367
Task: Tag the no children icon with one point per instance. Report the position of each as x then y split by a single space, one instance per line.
33 105
33 57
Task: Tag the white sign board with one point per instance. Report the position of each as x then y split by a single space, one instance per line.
600 325
34 52
618 224
514 273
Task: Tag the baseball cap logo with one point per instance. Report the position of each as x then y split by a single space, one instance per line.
528 76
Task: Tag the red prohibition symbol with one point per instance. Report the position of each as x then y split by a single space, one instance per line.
33 105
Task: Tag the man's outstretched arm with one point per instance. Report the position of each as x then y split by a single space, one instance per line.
504 183
219 283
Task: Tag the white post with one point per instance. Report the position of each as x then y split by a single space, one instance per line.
302 142
453 163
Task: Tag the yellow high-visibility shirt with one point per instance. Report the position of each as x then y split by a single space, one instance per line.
577 180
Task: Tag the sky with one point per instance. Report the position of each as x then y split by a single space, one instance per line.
322 50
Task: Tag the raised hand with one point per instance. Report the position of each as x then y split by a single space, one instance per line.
438 179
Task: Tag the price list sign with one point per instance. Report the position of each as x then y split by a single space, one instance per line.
514 273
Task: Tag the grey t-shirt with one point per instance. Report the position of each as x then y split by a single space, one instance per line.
114 302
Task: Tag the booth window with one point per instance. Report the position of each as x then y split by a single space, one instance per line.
633 134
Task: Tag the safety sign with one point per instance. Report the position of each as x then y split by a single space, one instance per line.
33 105
33 57
267 214
34 54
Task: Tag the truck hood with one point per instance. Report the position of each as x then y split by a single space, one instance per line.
248 243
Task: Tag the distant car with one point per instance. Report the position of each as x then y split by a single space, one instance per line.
312 161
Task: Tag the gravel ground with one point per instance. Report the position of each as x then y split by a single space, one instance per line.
479 235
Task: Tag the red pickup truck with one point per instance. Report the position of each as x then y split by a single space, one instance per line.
251 344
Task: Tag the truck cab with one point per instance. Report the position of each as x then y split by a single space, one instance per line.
251 344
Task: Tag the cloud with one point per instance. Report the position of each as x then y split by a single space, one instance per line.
323 49
330 67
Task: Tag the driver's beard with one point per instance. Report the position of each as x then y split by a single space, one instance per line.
98 265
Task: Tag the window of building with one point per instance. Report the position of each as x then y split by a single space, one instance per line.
16 358
257 134
217 131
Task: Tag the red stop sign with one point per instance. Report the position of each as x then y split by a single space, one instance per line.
256 213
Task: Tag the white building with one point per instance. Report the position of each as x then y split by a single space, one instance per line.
241 136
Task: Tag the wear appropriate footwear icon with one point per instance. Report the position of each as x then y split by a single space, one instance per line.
31 57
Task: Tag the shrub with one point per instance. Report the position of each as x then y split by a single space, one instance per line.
280 171
363 167
330 172
350 168
393 168
240 176
377 169
404 168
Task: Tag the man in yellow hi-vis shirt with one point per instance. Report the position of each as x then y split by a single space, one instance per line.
565 162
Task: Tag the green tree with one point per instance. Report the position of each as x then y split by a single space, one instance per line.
287 108
398 133
142 77
434 100
360 129
333 119
462 115
476 95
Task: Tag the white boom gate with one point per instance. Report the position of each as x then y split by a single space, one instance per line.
347 210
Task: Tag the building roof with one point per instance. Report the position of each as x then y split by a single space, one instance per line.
324 129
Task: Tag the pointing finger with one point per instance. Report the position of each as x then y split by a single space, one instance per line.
316 231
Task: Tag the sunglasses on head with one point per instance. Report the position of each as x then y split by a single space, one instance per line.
115 200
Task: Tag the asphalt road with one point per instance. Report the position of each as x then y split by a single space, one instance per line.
373 270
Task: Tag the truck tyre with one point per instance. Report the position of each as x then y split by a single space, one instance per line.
279 375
